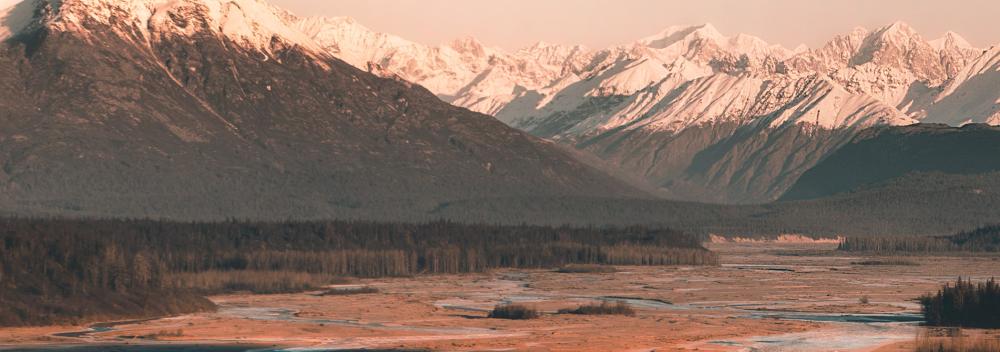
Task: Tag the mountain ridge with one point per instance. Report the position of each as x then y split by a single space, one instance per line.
197 111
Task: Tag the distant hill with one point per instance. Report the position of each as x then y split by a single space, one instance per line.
879 155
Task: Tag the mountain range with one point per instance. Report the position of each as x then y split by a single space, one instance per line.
697 114
214 109
208 109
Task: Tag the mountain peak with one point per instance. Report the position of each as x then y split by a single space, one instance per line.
858 32
339 20
541 44
898 30
546 48
899 26
675 34
468 45
709 29
951 40
313 26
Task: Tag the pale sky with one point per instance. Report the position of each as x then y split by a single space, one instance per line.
600 23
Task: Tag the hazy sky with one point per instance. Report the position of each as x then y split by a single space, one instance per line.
600 23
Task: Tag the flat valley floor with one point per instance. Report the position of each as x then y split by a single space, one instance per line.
764 297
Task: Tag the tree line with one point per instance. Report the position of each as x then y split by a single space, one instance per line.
984 239
46 264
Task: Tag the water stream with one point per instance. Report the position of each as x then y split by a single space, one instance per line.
838 337
288 315
845 331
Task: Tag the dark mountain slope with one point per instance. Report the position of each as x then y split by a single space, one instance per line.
882 154
104 117
723 162
922 204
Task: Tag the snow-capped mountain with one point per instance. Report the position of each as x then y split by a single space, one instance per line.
893 64
204 109
699 114
972 95
746 99
463 72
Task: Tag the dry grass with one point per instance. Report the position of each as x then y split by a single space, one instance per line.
605 308
587 269
350 291
956 341
514 311
261 282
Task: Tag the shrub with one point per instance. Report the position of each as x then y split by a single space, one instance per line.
956 342
255 281
514 311
163 334
605 308
887 262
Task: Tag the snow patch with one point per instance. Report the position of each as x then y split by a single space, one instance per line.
634 77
